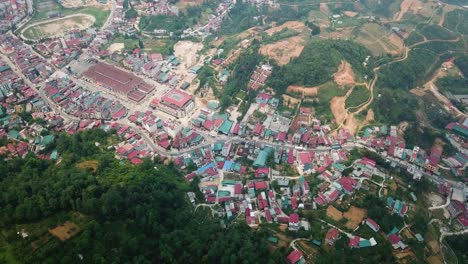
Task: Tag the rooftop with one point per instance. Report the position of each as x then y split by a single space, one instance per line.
176 97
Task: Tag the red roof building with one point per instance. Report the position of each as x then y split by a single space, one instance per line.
260 185
176 98
354 242
294 257
372 224
332 235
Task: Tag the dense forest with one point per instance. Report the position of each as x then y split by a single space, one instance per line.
135 214
458 245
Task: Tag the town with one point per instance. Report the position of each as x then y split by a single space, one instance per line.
286 170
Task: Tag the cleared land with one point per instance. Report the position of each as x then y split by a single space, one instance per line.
379 40
304 91
293 25
58 27
355 216
78 3
116 47
184 4
334 213
412 6
186 51
65 231
88 164
290 101
284 50
344 75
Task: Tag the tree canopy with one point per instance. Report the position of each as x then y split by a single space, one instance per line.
137 214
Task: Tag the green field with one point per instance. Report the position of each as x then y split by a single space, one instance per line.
163 46
457 21
436 32
377 39
414 38
359 96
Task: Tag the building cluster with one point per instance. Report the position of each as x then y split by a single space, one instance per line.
335 184
214 23
104 35
34 67
396 206
165 133
259 76
458 135
458 212
62 50
133 147
162 7
157 67
386 142
11 13
118 81
79 102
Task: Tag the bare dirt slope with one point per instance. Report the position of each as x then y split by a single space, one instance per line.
284 50
344 75
305 91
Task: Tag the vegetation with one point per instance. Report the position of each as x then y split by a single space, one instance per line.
458 245
359 95
456 21
414 37
453 84
175 24
408 73
317 64
315 29
435 32
321 104
462 64
240 18
130 214
392 107
131 13
242 69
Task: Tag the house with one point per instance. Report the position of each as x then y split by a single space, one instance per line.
262 172
294 222
372 224
354 242
396 242
260 185
332 236
295 257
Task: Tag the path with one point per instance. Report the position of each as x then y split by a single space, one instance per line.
364 105
443 205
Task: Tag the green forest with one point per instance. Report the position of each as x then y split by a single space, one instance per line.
125 213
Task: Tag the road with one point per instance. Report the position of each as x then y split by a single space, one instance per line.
442 206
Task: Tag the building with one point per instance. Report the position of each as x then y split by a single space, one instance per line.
117 80
294 222
176 103
332 236
372 224
295 257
